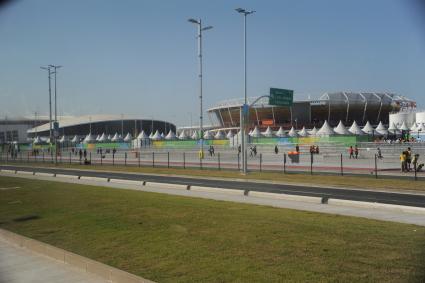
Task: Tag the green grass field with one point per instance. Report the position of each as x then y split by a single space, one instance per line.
364 182
180 239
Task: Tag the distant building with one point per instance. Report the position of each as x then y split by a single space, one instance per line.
15 129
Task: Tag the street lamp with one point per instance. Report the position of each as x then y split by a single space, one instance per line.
244 109
200 30
56 109
49 72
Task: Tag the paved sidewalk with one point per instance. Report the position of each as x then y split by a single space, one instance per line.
19 265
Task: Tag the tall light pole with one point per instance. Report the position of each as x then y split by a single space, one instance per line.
55 72
244 108
200 30
49 72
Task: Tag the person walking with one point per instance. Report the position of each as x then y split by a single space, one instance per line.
415 161
351 151
276 149
408 158
356 151
80 152
403 161
379 153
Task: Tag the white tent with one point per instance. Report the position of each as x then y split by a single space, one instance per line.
142 136
103 138
75 139
162 135
414 127
109 137
313 131
368 129
63 139
151 135
256 133
355 129
37 140
421 128
303 132
194 135
229 134
97 137
208 136
219 135
128 137
325 130
393 129
170 136
89 139
341 129
280 133
381 130
292 133
183 135
116 138
156 136
268 133
404 127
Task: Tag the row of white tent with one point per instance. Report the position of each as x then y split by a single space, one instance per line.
340 129
325 130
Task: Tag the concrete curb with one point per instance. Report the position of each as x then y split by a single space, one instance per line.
95 179
363 204
216 190
285 197
109 273
127 182
166 185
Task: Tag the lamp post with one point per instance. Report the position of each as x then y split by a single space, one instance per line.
200 30
245 108
49 72
55 67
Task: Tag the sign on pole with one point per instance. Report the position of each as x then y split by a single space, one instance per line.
281 97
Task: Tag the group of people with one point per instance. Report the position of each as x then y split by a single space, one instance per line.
407 159
354 152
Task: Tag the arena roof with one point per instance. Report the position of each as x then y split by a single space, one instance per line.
87 119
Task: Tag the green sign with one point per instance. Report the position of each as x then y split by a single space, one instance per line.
281 97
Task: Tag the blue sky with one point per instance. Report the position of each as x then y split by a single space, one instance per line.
139 57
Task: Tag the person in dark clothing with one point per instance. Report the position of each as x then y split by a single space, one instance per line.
80 152
356 151
255 150
297 148
276 149
351 151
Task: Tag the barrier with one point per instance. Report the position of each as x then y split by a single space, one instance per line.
166 185
317 200
216 190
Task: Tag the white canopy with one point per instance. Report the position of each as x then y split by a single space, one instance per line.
303 132
393 129
368 129
414 127
162 135
183 135
421 127
208 135
156 136
268 133
292 133
219 135
37 140
250 133
256 133
404 127
341 129
194 135
170 136
381 129
142 136
313 131
89 139
229 134
109 137
128 137
103 138
97 137
325 130
280 133
63 139
116 138
356 130
75 139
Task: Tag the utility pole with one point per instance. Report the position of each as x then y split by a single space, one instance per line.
49 72
200 30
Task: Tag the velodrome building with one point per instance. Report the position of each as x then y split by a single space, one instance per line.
103 124
332 107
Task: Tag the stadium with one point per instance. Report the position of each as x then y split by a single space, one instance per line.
332 107
103 124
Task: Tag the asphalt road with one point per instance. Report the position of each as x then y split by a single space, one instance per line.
346 194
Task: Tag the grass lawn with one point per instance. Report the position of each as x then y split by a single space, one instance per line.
180 239
364 182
